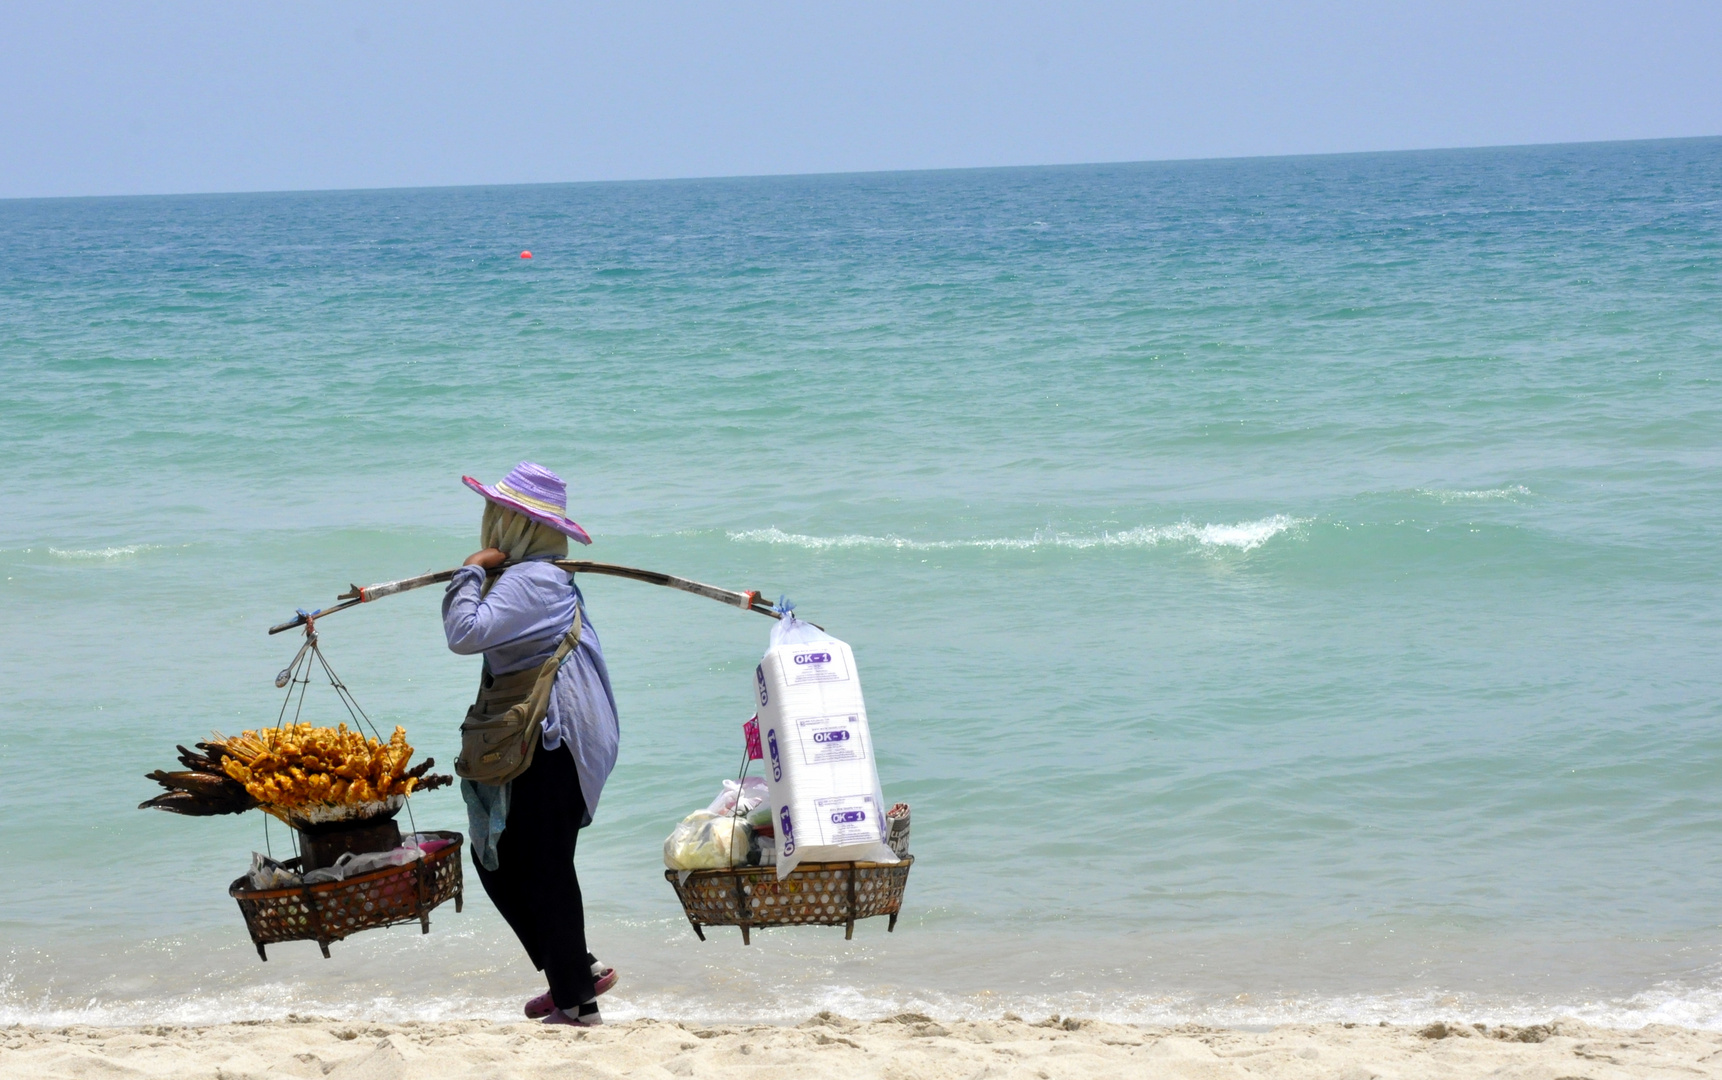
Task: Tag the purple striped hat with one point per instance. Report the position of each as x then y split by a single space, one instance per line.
536 492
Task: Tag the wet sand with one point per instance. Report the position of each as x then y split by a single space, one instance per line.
834 1048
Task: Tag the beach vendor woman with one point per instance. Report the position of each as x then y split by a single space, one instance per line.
524 830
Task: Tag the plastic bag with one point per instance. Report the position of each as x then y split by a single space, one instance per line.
790 630
266 873
819 751
428 843
351 864
750 735
706 841
752 791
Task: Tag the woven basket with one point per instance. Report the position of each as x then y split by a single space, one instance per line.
331 910
814 894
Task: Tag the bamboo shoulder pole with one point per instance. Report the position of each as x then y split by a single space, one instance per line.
364 594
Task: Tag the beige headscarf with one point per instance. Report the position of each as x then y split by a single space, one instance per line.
518 536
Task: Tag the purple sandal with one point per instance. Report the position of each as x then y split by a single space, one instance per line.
542 1005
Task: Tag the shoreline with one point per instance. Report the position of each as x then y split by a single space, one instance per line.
905 1046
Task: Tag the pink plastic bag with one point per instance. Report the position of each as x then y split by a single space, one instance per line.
755 752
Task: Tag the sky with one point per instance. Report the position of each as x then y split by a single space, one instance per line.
128 98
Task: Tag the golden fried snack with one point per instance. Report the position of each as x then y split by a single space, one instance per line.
298 766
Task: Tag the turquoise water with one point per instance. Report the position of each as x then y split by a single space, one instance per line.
1284 589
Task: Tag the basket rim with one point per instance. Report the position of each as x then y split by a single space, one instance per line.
721 871
242 890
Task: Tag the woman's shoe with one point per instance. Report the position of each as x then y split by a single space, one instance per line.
587 1016
603 978
540 1007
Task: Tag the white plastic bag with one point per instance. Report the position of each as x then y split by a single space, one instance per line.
352 864
752 791
818 750
266 873
707 841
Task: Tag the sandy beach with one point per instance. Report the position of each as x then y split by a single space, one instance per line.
832 1047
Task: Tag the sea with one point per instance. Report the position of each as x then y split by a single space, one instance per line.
1283 589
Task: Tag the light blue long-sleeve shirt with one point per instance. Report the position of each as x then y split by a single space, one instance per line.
517 625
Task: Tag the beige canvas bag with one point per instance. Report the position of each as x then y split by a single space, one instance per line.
502 729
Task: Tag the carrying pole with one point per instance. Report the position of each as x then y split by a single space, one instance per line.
364 594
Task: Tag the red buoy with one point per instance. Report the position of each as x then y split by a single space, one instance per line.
526 254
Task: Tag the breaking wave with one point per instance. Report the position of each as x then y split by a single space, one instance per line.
1690 1007
1242 536
100 554
1515 492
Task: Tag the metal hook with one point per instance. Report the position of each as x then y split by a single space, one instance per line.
286 674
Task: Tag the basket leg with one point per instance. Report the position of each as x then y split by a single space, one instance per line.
892 925
422 879
742 909
849 930
459 897
324 945
261 955
701 934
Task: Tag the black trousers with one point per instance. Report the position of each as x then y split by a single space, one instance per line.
534 885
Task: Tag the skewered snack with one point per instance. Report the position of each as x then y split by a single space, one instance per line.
298 773
294 767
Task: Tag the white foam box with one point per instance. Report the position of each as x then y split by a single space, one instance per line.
825 797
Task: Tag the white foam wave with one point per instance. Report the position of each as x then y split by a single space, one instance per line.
1517 491
101 554
1686 1006
1242 536
267 1002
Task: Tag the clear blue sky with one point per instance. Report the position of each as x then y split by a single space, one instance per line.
105 98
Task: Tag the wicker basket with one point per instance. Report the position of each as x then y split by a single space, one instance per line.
331 910
814 894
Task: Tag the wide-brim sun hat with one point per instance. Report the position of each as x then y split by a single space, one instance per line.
536 492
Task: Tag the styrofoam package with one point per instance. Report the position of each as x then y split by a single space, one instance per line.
825 796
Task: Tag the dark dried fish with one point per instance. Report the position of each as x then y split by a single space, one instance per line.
209 785
191 759
184 802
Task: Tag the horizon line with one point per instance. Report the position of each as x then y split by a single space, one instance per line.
700 178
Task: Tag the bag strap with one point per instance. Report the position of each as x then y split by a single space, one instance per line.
547 671
570 639
539 695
